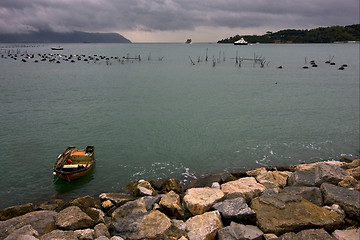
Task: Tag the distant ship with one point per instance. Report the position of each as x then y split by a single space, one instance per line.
241 42
188 41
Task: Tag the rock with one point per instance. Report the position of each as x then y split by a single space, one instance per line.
281 177
350 234
128 208
180 224
85 202
239 231
199 200
204 226
151 225
312 194
101 230
172 184
175 231
42 221
171 204
51 205
268 180
348 182
303 178
348 199
107 204
144 188
114 238
59 234
318 234
26 230
150 201
270 236
215 185
280 213
207 181
354 164
236 210
329 173
307 167
73 218
336 208
85 234
15 211
117 198
96 214
354 172
246 187
256 172
104 238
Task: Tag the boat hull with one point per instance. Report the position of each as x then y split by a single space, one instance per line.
72 176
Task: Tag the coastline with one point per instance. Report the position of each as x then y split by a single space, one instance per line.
296 201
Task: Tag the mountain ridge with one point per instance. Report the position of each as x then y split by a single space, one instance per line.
69 37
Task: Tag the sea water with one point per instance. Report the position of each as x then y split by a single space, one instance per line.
178 110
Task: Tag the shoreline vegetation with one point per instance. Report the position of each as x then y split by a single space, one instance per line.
334 34
308 201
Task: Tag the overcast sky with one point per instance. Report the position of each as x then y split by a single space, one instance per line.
174 20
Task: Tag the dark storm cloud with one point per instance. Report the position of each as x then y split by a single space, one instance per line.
152 15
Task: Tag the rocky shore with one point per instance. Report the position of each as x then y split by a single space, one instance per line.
308 201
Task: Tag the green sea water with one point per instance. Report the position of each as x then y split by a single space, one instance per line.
164 117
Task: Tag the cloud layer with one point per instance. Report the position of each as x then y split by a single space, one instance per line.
18 16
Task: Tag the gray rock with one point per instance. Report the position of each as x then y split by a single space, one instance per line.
329 173
151 200
303 178
151 225
348 199
72 218
239 231
236 210
15 211
42 221
96 214
144 188
318 234
350 234
312 194
27 230
51 205
129 208
59 234
101 230
207 181
117 198
280 214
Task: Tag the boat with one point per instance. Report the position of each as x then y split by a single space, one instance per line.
241 42
188 41
73 163
57 48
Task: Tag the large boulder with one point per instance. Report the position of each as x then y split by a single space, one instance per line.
101 230
72 218
171 204
204 226
239 231
41 221
312 194
348 199
117 198
96 214
128 208
247 187
151 225
303 177
199 200
207 181
144 188
280 213
329 173
354 172
15 211
236 210
86 202
268 180
318 234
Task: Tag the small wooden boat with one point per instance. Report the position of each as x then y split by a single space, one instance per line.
74 163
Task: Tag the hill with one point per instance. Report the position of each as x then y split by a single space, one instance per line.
55 37
317 35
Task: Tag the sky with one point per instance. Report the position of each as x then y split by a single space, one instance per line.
175 20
